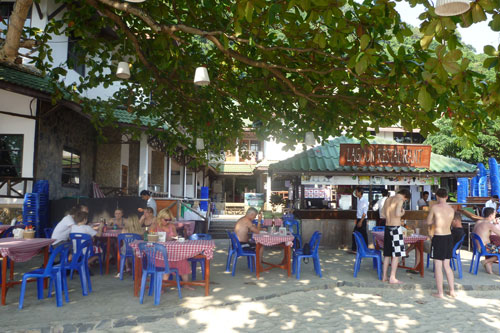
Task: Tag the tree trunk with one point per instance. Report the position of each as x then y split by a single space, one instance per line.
9 51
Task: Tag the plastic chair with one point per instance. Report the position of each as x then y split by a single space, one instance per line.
298 255
476 254
48 232
194 261
377 229
149 253
125 240
293 226
50 271
230 252
239 251
456 256
79 237
365 252
9 232
79 262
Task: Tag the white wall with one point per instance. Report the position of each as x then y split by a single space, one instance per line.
274 151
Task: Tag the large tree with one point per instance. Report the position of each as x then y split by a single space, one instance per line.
289 66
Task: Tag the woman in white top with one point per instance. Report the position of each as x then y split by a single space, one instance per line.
63 228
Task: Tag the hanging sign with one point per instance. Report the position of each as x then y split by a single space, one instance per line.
418 156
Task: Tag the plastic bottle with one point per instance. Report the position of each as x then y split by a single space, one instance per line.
146 234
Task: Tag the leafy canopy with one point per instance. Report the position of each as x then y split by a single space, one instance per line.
326 66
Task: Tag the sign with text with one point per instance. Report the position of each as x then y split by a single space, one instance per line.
418 156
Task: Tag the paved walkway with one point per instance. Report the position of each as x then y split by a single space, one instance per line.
243 303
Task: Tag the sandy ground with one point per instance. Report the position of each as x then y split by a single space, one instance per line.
336 302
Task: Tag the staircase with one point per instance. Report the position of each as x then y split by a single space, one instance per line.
218 227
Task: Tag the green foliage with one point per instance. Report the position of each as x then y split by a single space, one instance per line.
276 201
326 66
446 142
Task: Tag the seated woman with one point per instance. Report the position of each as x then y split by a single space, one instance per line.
164 223
148 219
118 219
132 226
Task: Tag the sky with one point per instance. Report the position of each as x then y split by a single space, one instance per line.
478 35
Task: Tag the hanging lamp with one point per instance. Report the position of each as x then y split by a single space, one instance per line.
310 140
123 70
135 1
201 77
451 7
200 144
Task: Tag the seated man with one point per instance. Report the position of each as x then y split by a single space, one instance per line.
244 226
63 228
484 228
82 227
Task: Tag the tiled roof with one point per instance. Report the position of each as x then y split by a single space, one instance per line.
234 168
125 117
24 78
325 158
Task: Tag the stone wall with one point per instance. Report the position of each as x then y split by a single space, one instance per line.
64 128
157 172
108 167
133 169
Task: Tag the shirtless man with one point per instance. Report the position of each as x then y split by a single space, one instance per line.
441 216
244 226
483 229
394 246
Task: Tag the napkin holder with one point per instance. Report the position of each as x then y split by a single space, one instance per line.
18 233
162 236
282 231
28 234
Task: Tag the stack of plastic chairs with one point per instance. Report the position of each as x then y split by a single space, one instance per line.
31 208
42 188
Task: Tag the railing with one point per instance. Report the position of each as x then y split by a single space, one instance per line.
16 188
179 202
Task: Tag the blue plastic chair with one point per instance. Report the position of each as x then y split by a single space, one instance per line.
476 254
377 229
365 252
455 256
79 262
124 240
298 255
149 252
79 237
293 226
194 261
50 271
48 232
230 252
239 251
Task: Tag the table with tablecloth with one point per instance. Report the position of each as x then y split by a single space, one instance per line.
20 250
177 251
269 222
418 240
110 234
265 239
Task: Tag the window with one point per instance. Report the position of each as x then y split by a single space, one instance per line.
252 148
11 155
408 138
6 9
70 167
75 56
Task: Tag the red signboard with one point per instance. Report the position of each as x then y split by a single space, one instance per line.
418 156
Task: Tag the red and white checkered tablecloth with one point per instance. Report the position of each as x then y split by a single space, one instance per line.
177 251
269 222
379 238
21 250
271 240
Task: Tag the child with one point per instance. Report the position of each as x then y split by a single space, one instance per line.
82 227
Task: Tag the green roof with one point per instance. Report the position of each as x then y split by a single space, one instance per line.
125 117
22 77
234 168
325 158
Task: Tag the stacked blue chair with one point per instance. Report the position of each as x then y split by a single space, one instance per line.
298 255
80 263
195 261
365 252
479 250
124 241
293 226
55 273
31 209
48 232
239 251
42 188
149 253
79 237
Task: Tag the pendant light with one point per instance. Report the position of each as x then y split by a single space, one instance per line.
135 1
123 70
200 144
310 140
451 7
201 77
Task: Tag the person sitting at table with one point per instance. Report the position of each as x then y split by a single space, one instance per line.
484 228
244 226
132 226
164 222
63 228
146 195
118 219
81 219
147 219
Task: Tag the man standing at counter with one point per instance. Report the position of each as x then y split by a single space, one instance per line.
361 215
394 245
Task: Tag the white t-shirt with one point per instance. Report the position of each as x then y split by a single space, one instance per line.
422 203
380 207
152 203
362 208
82 229
490 203
63 229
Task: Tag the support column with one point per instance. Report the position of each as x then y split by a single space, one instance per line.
234 188
165 173
143 163
184 181
195 186
268 190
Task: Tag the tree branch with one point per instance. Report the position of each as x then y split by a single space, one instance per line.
9 51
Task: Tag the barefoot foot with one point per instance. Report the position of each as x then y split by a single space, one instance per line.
487 267
452 294
395 281
438 295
